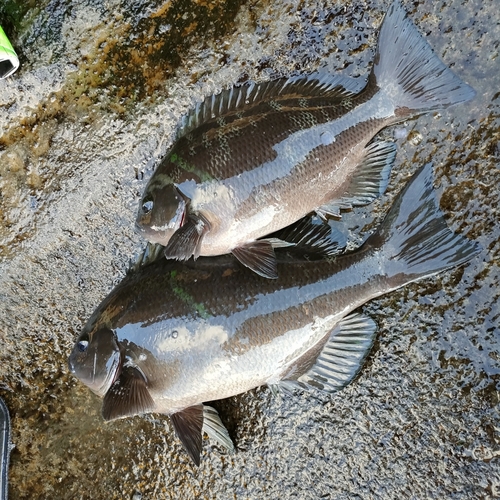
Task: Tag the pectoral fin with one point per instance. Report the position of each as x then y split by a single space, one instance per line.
186 241
259 257
342 357
368 182
188 425
128 396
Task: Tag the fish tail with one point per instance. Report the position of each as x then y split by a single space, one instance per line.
414 239
409 72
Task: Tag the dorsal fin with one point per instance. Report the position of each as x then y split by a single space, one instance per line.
319 84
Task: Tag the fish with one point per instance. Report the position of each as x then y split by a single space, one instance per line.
259 157
174 335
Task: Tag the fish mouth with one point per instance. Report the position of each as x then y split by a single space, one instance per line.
153 234
139 228
99 381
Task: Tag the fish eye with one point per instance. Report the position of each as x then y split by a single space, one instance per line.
147 205
82 345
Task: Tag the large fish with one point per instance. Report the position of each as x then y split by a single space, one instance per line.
257 158
173 335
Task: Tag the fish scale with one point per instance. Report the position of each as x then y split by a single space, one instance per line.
252 143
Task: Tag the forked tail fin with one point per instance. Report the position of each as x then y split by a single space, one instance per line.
409 72
414 239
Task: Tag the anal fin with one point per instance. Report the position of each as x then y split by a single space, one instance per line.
369 181
312 239
186 241
128 396
341 358
259 257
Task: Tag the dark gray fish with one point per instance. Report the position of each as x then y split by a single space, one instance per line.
257 158
173 335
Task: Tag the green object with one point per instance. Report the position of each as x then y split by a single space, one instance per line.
9 61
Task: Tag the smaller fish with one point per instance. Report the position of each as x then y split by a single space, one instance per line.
173 335
256 158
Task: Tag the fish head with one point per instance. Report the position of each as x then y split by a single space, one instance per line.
96 360
161 212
